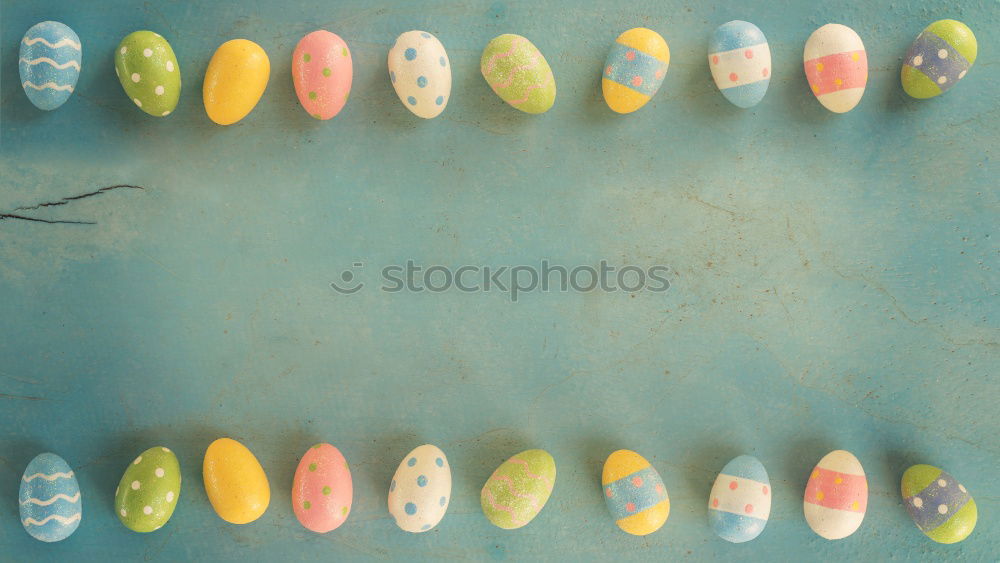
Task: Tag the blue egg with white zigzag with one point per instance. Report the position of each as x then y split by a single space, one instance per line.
49 64
50 501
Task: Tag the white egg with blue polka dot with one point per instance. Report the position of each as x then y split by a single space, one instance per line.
421 489
420 72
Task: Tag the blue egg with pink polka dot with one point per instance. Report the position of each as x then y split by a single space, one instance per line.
420 489
740 60
420 73
740 502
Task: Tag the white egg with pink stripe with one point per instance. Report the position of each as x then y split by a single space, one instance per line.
836 66
836 496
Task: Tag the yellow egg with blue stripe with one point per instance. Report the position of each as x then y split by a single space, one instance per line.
635 69
634 492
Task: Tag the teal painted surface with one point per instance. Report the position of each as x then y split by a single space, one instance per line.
834 280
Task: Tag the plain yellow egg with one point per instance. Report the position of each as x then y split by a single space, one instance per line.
235 80
235 482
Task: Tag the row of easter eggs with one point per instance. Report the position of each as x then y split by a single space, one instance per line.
835 62
835 499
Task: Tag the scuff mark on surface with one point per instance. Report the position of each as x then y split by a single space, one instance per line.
19 379
22 397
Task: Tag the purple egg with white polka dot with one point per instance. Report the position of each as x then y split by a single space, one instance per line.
421 73
421 489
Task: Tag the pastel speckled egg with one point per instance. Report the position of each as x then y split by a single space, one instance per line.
235 482
635 69
322 72
421 489
235 80
940 506
740 502
148 71
740 59
634 493
322 489
836 66
148 490
50 501
836 496
938 58
516 70
420 73
49 64
518 490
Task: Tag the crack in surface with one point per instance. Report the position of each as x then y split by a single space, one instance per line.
71 199
62 201
5 216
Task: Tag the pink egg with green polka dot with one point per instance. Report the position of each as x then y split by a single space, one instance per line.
322 73
322 489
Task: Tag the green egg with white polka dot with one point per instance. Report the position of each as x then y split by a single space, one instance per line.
148 492
148 71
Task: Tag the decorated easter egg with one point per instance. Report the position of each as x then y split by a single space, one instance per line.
49 64
836 496
836 67
634 69
634 493
421 73
518 73
50 501
235 482
148 70
322 73
740 502
235 80
740 60
148 490
939 57
518 489
421 489
940 506
322 489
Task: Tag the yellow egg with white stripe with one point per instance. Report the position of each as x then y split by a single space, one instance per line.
634 493
635 68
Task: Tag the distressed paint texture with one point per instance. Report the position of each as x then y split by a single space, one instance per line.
834 280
